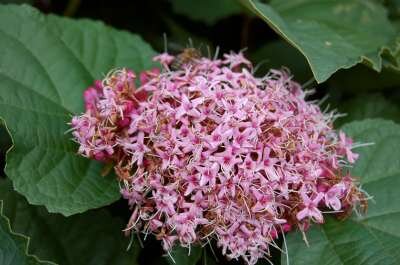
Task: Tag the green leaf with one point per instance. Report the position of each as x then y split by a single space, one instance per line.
368 106
45 64
331 34
93 238
207 11
181 256
371 239
13 246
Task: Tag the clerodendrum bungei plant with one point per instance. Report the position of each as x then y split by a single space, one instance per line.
197 158
205 150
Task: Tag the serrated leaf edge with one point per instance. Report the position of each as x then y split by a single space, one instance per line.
21 237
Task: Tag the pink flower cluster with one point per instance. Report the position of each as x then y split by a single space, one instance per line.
209 151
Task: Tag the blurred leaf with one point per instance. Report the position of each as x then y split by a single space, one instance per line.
368 106
179 38
331 34
45 64
181 255
16 2
278 54
360 79
393 7
13 246
207 11
93 238
372 239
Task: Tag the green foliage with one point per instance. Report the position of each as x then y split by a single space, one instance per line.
368 106
278 54
371 239
207 11
13 246
5 139
331 34
46 64
91 238
362 79
181 256
208 258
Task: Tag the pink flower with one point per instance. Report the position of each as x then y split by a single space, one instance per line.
208 174
248 164
132 196
165 201
192 181
267 164
264 202
236 59
91 96
218 136
146 76
227 159
165 59
310 208
242 139
137 149
333 195
168 242
346 144
286 228
188 107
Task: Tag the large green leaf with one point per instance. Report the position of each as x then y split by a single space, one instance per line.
374 238
45 64
13 246
331 34
92 238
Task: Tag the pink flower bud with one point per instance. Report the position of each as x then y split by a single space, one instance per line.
286 227
124 122
100 155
